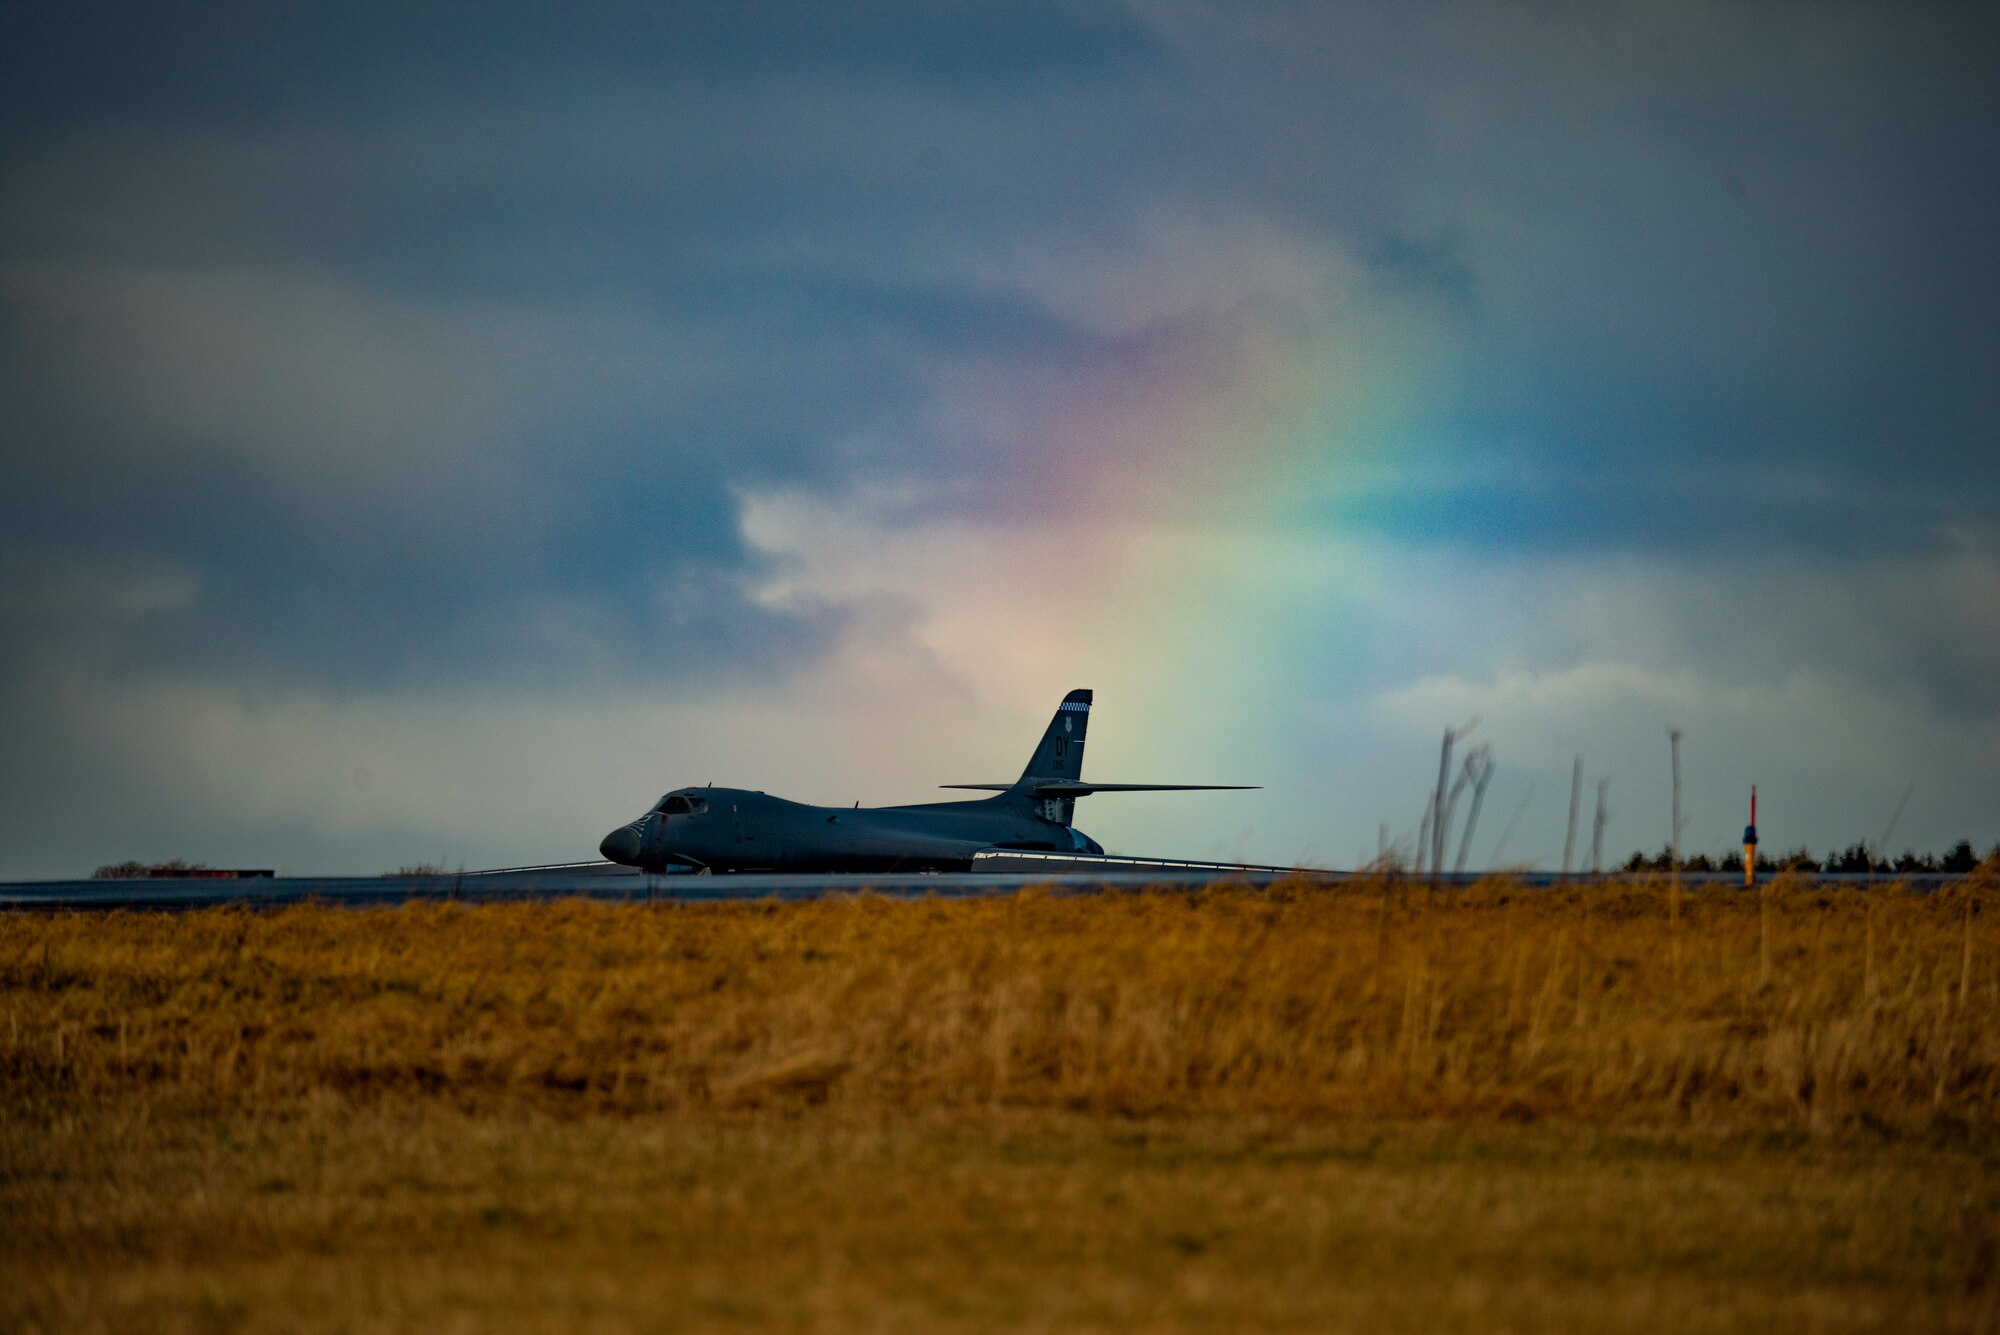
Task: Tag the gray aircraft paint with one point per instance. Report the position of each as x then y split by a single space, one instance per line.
737 830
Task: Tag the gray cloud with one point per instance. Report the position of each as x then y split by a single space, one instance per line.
365 485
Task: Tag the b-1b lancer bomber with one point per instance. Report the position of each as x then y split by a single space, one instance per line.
733 830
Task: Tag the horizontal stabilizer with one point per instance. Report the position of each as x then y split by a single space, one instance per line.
1066 789
1086 789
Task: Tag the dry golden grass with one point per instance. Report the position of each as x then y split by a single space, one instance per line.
1362 1108
1799 1007
423 1220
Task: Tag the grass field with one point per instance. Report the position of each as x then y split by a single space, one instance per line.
1365 1108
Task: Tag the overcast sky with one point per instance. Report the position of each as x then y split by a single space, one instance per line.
430 432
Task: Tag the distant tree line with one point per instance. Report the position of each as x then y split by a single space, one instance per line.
1856 857
132 870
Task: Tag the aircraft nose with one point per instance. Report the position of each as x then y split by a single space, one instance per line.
621 845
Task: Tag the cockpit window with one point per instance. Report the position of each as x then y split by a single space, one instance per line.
676 805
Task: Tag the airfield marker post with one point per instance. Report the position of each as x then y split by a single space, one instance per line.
1750 844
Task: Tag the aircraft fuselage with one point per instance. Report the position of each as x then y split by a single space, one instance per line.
733 829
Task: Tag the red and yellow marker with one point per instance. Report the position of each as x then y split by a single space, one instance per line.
1750 844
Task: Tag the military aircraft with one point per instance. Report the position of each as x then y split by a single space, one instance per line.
733 830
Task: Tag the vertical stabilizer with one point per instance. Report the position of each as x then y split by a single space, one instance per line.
1054 776
1059 755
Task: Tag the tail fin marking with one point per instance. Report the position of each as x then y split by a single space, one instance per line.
1054 776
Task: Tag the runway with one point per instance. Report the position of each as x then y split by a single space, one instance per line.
610 883
623 887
